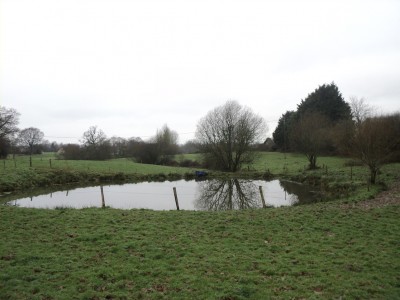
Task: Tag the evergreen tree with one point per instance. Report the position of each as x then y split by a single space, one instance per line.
328 101
281 133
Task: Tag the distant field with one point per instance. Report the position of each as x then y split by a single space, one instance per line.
124 165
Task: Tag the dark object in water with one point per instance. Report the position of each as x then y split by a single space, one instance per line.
200 173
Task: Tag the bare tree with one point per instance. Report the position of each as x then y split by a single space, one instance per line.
310 136
30 137
118 146
9 119
374 140
360 110
226 135
95 144
166 141
93 136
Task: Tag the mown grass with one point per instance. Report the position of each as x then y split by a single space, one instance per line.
314 251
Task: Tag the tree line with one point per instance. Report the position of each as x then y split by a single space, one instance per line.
325 124
96 146
227 137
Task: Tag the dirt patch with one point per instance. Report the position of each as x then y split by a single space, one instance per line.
385 198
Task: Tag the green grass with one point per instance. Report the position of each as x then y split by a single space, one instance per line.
315 251
17 175
334 176
124 165
325 250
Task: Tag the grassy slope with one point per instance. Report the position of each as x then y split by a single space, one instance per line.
41 162
311 251
19 176
325 250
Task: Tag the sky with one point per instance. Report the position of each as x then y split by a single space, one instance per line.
130 67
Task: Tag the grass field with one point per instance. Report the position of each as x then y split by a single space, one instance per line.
315 251
114 165
15 174
333 250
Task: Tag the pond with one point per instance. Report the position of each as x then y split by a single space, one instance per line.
192 195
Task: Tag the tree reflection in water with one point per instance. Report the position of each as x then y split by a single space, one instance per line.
227 195
298 193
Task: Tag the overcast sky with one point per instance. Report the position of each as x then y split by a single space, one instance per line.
132 66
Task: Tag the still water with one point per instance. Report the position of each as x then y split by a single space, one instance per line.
192 195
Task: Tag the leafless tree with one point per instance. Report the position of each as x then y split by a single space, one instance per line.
9 119
30 137
374 140
360 110
93 136
118 146
166 141
95 144
310 136
227 133
8 129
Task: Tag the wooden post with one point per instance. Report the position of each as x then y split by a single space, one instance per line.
176 198
50 162
30 161
103 203
4 164
262 197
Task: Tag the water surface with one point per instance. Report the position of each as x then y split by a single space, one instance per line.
192 195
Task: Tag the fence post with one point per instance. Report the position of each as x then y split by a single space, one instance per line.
30 161
176 198
4 163
262 197
103 203
50 162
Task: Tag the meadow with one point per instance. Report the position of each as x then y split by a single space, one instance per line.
338 249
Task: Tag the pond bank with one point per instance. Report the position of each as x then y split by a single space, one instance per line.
31 178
